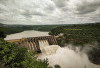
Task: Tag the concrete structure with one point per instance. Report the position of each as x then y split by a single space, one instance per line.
33 43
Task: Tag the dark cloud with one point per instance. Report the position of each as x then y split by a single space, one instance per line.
60 3
88 7
50 8
29 14
96 18
38 14
1 20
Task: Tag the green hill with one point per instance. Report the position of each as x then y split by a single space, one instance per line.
78 34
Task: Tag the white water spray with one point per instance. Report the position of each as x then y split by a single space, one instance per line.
65 57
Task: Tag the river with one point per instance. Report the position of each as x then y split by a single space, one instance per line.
25 34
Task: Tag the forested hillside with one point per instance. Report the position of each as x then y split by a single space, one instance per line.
78 34
10 29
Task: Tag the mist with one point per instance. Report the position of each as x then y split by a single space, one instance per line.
66 57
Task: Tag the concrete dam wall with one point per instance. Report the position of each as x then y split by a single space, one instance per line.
35 43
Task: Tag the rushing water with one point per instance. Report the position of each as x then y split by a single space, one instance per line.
65 57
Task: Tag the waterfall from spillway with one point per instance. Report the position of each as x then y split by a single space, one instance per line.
46 48
43 43
65 57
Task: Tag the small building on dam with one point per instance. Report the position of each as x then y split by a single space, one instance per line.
33 40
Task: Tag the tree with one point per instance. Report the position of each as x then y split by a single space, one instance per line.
94 54
57 66
56 31
2 35
13 56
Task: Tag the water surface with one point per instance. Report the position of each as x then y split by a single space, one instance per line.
25 34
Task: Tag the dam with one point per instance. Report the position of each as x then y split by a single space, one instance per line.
36 42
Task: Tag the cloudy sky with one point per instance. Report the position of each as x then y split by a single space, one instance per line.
36 12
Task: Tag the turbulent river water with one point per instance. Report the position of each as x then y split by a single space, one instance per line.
65 57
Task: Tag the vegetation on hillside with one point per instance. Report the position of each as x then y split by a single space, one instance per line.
12 56
10 29
78 34
2 34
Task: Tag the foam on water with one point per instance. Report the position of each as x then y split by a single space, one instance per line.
66 57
